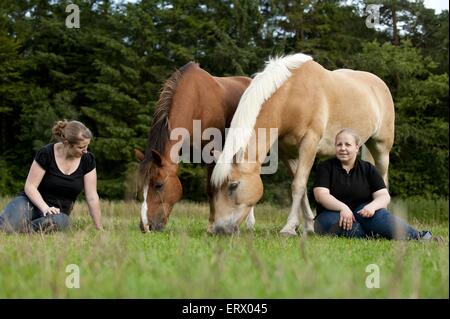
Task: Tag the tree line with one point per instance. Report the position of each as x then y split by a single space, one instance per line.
108 73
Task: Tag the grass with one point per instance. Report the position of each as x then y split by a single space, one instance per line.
185 262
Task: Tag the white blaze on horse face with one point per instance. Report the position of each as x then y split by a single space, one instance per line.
144 209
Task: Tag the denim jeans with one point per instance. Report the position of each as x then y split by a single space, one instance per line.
382 224
20 215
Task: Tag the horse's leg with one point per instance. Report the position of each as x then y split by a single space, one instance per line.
366 155
305 208
307 154
379 150
381 143
250 220
308 215
209 191
293 218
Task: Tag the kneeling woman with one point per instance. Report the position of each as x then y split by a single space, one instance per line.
352 197
59 172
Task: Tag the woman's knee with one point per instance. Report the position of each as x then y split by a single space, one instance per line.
324 222
382 212
51 223
17 204
61 220
17 215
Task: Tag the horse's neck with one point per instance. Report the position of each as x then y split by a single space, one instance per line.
202 107
233 87
171 152
260 143
189 102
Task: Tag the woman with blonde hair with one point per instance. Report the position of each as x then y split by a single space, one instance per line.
352 198
58 174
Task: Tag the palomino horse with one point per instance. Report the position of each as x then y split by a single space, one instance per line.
189 94
308 105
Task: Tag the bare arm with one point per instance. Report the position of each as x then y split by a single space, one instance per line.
323 196
34 178
90 189
381 199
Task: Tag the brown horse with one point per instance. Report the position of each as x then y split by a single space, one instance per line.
308 105
189 94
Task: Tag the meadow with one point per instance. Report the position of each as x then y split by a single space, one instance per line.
185 262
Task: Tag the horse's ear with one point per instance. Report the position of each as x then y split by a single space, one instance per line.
157 158
139 155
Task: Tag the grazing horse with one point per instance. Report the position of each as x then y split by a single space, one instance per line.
189 94
308 105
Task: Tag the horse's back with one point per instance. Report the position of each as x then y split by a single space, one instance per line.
354 99
366 81
377 94
236 84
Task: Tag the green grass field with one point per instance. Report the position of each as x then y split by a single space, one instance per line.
185 262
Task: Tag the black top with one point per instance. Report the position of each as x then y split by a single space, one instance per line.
353 188
57 189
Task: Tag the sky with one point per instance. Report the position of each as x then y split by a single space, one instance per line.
437 5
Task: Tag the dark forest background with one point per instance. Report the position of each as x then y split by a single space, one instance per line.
108 74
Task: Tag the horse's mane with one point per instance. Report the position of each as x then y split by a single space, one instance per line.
159 133
263 85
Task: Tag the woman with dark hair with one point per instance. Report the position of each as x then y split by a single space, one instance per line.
352 198
59 172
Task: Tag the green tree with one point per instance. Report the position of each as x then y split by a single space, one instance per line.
419 160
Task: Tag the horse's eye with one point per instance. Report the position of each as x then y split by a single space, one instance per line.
159 186
233 186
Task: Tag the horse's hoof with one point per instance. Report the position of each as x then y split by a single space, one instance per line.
309 227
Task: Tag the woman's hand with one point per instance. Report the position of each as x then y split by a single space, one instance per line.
367 211
346 218
381 199
52 210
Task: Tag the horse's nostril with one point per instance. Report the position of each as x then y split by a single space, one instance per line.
157 227
225 230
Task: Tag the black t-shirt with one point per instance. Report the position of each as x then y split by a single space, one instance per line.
57 189
353 188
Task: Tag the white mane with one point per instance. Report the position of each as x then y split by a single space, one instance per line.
263 85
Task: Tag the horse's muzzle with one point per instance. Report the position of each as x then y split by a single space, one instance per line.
150 227
228 229
157 226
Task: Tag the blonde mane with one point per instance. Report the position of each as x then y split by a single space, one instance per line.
263 85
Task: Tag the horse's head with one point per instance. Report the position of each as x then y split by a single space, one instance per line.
161 190
233 199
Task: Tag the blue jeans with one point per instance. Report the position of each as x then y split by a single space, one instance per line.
382 224
20 215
